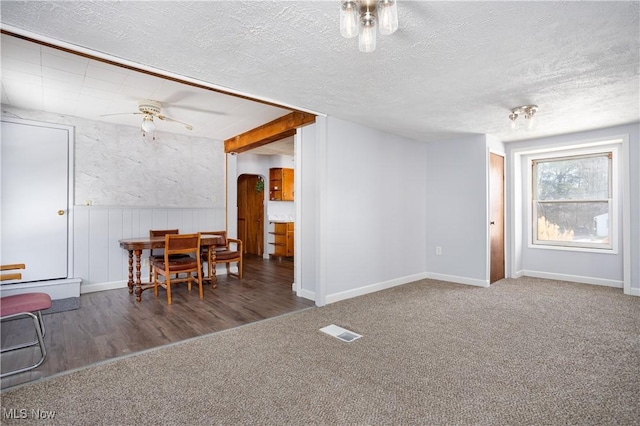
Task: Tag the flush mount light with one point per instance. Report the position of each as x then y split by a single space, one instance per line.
525 111
361 17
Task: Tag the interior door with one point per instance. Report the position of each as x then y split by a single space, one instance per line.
496 200
251 213
34 196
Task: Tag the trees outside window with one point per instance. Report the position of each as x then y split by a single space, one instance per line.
572 200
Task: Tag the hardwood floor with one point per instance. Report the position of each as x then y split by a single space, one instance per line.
111 323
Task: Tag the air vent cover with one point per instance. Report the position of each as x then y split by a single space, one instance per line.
340 333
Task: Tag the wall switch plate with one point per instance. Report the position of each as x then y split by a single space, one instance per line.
145 261
438 251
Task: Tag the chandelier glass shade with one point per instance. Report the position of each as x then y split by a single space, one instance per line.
148 125
361 17
525 111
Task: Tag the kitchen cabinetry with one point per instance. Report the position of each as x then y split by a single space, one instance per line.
282 239
281 184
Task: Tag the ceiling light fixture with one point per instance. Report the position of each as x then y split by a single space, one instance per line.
360 18
526 111
148 125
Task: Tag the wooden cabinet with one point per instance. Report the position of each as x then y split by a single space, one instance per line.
281 184
282 239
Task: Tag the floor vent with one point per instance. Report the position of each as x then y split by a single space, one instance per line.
340 333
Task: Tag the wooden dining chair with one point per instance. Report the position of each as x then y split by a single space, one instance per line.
158 253
187 245
227 250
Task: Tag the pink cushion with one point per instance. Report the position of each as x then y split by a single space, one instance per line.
27 302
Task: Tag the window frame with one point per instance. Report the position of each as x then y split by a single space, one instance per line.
613 200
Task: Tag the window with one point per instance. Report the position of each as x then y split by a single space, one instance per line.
572 200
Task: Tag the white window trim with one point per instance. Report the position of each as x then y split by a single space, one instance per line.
613 147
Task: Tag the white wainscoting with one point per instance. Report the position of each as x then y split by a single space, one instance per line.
98 259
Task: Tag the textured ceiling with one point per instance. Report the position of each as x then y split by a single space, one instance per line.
453 68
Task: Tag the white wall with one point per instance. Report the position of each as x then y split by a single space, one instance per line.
307 216
456 210
373 200
588 267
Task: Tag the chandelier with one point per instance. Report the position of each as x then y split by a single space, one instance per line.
360 18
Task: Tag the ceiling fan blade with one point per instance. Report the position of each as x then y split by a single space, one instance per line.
164 117
121 113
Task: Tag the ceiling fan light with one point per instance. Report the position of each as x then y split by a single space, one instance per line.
387 16
367 39
349 19
148 125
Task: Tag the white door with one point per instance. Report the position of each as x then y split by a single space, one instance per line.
34 195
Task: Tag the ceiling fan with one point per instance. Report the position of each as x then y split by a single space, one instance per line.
150 109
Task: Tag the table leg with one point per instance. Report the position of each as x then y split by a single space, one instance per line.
212 268
130 282
138 281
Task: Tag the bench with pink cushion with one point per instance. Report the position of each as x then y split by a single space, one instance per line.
26 305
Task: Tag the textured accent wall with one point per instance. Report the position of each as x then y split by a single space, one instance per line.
116 166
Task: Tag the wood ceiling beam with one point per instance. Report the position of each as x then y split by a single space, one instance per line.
275 130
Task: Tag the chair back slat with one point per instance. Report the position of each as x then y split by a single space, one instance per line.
182 244
222 241
153 233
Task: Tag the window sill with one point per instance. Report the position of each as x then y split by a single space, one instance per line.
573 249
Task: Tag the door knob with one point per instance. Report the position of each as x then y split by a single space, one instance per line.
60 212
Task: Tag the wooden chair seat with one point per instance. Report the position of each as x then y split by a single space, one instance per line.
176 264
226 255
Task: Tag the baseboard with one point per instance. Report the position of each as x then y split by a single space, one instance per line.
360 291
634 292
56 289
91 288
574 278
307 294
458 280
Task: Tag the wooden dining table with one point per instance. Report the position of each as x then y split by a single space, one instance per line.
135 246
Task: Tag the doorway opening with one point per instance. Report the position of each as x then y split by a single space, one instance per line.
496 225
251 213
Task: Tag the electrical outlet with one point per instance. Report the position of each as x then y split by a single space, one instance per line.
438 251
145 261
